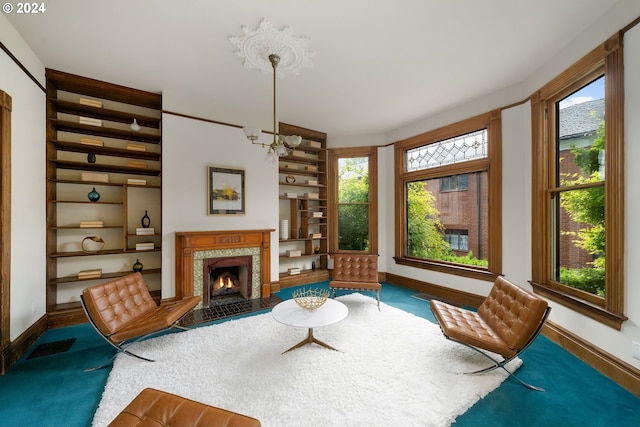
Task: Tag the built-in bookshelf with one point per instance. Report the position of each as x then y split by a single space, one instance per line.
103 188
303 251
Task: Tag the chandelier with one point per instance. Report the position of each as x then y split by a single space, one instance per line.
265 49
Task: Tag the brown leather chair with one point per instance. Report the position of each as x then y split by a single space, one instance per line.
123 312
158 408
506 323
355 272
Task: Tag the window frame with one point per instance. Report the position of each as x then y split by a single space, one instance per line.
341 153
607 60
492 164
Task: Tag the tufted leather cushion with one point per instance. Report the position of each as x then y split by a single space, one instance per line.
154 408
503 324
355 271
123 308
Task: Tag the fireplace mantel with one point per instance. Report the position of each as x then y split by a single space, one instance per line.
188 242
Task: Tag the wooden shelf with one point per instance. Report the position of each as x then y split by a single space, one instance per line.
64 187
129 135
305 276
71 279
102 252
95 183
77 227
96 167
303 255
104 113
74 147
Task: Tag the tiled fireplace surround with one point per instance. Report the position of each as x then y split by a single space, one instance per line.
193 247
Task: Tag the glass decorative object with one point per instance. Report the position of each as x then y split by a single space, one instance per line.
93 195
137 266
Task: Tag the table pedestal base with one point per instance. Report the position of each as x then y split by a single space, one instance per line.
311 339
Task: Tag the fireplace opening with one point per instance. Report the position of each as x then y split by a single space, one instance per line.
226 280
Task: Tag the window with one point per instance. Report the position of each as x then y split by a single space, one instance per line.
448 199
457 239
454 183
578 194
353 178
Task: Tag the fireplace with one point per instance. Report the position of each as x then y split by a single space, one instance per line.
227 279
248 250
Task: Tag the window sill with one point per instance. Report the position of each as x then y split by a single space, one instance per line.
458 270
586 308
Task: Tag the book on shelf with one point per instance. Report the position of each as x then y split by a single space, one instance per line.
294 270
314 144
96 177
90 121
291 166
312 195
91 224
294 253
297 153
138 164
317 214
91 102
315 235
144 246
150 231
136 147
96 273
312 181
135 181
92 142
312 168
291 195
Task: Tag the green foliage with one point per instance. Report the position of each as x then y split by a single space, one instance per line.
587 279
353 195
468 259
425 231
586 206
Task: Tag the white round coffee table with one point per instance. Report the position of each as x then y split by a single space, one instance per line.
291 314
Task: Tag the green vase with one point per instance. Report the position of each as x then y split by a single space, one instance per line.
93 195
137 266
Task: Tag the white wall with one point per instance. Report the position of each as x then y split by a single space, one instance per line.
188 147
28 250
516 197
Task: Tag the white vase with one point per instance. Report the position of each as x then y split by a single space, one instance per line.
284 229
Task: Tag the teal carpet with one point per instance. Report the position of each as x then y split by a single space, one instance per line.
52 390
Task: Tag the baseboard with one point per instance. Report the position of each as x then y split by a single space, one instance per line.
442 292
20 345
607 364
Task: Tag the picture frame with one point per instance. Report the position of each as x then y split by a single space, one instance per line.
225 191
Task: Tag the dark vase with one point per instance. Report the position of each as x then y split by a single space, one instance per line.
91 158
93 195
313 265
137 266
145 220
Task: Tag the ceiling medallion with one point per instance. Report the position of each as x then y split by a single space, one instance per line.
256 46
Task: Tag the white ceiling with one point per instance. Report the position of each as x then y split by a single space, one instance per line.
377 64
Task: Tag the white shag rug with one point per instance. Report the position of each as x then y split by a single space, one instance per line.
393 368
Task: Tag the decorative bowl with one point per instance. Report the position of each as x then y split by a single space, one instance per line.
310 299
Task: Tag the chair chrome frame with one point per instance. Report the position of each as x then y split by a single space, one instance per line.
501 364
122 345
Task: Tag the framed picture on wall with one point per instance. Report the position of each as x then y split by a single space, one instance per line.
226 191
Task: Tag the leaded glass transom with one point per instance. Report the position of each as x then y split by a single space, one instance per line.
461 148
